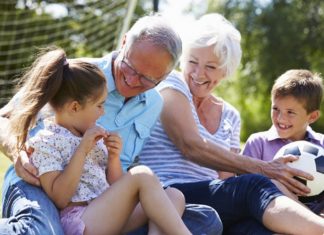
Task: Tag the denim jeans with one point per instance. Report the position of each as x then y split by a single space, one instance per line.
28 210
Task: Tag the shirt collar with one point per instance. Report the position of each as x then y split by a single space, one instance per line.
272 134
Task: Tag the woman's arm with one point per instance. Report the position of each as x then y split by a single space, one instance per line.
226 174
24 169
178 122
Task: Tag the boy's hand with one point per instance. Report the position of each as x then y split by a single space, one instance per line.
25 169
285 175
114 145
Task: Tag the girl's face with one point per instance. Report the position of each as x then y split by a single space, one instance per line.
201 71
290 118
87 115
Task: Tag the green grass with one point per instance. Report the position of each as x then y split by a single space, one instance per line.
4 164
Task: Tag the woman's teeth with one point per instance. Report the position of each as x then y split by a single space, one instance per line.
200 82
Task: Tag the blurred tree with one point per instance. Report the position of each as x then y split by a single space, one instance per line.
277 35
83 28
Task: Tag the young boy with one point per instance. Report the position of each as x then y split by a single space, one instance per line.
296 98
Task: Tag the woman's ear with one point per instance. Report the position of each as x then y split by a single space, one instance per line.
313 116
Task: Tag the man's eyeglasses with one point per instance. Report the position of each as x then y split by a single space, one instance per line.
145 81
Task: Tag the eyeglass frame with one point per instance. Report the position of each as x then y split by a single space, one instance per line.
140 76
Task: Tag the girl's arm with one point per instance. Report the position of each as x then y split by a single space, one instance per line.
114 168
60 186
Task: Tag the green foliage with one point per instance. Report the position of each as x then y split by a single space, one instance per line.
277 35
88 28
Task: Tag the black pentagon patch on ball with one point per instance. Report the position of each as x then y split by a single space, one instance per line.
319 162
310 149
293 151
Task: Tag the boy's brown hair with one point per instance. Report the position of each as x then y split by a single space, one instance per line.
303 85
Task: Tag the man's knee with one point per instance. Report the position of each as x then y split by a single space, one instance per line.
27 210
30 220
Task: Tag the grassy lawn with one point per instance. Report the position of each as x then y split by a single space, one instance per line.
4 164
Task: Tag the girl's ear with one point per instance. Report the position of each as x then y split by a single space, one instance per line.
313 116
74 106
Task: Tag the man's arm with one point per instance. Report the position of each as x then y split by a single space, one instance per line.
178 122
23 167
5 112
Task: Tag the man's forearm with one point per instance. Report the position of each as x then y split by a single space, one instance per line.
4 137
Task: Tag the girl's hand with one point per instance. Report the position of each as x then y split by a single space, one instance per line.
90 138
114 145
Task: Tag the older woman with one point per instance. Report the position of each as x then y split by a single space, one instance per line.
195 132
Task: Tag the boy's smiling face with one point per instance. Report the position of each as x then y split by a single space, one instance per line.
290 117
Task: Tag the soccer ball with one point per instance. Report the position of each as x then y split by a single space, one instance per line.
311 160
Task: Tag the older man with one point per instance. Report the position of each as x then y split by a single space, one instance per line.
150 51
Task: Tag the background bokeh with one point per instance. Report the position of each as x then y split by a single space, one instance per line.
277 35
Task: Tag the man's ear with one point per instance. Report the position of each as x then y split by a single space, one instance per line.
123 42
313 116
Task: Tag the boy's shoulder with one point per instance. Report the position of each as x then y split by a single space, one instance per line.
315 137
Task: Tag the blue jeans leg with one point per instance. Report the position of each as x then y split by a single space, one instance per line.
200 220
27 209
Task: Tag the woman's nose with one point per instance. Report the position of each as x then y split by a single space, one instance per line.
199 72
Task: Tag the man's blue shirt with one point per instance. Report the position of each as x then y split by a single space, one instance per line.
132 120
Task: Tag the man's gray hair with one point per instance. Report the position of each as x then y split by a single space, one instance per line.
157 30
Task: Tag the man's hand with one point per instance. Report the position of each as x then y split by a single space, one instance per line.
25 169
279 170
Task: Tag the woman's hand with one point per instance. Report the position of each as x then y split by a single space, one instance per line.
279 170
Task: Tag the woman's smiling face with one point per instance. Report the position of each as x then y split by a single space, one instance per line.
201 71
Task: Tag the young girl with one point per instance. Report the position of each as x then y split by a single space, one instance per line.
70 154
